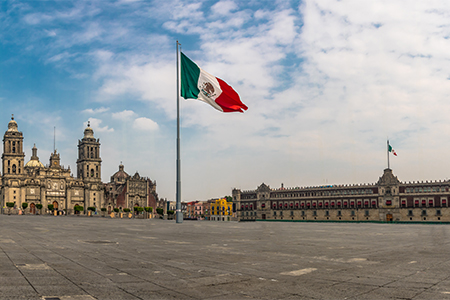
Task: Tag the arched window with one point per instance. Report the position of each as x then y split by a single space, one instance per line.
13 147
14 169
92 172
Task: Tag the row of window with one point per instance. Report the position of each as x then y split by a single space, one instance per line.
327 213
321 204
427 189
323 193
424 203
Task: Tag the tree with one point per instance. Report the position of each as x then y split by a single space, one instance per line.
9 205
170 212
159 211
91 208
126 210
148 209
50 207
229 198
78 209
24 206
39 206
116 209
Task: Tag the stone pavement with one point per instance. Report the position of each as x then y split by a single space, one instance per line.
70 257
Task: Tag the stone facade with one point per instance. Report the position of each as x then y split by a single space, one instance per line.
385 201
128 191
33 183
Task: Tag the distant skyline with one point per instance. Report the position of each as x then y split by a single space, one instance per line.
326 84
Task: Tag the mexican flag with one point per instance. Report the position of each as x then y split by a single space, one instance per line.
200 85
392 150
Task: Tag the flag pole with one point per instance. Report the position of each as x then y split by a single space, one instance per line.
388 153
179 216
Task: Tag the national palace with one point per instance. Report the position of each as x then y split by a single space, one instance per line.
33 183
388 200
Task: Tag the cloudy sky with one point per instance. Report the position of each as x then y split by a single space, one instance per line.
326 83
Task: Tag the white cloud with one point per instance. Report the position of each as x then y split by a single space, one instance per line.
95 124
123 115
145 124
223 7
96 110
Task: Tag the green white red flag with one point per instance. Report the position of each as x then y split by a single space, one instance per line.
200 85
392 150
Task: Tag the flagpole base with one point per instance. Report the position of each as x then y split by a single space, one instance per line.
179 217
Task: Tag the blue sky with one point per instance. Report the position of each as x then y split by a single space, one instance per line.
326 82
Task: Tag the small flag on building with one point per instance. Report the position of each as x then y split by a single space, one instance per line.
392 150
200 85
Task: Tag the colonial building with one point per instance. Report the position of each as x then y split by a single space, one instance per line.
221 210
387 200
54 184
124 190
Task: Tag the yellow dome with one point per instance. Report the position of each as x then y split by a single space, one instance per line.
34 163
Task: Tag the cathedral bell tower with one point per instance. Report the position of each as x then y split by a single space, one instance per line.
89 161
13 155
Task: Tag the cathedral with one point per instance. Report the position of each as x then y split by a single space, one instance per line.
33 183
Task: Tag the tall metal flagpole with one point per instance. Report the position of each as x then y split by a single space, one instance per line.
388 153
179 213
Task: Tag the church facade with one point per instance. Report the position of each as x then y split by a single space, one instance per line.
33 183
388 200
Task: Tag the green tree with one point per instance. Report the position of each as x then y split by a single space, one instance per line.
116 209
126 210
24 206
9 205
159 211
39 206
50 207
148 209
78 209
91 208
229 198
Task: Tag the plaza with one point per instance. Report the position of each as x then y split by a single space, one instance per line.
79 257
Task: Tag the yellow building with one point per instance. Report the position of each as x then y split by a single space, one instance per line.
221 210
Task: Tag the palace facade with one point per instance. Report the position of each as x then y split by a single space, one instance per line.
33 183
388 200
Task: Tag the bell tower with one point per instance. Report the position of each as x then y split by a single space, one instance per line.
13 155
89 161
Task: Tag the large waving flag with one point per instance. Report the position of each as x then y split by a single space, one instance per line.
200 85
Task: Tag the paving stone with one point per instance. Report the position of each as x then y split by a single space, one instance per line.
97 258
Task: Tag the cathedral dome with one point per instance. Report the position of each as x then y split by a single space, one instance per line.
120 175
88 132
12 125
34 162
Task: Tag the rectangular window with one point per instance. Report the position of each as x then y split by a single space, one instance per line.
274 213
314 213
424 212
366 213
438 212
292 213
410 212
303 213
339 213
327 213
353 213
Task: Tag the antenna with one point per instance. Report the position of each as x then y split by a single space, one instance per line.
54 138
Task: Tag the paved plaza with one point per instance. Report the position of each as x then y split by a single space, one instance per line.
70 257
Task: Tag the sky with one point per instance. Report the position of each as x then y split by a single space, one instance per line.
326 84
